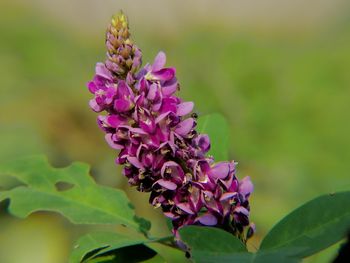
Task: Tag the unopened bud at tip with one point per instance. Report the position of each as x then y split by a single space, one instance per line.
120 20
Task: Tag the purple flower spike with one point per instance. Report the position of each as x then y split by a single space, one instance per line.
159 147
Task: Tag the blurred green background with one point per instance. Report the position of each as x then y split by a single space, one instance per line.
278 70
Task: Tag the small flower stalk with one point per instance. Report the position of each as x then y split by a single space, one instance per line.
160 150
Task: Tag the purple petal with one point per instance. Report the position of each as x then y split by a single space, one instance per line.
140 149
114 120
208 194
195 198
137 131
176 171
154 141
232 184
139 100
220 170
102 71
94 106
147 160
241 210
164 74
246 186
185 207
228 195
148 125
156 106
208 220
159 61
170 88
141 85
123 90
167 184
169 104
122 105
152 93
162 116
101 121
110 93
184 127
111 143
204 166
184 108
170 144
135 162
214 206
168 164
112 66
252 226
251 230
92 87
170 215
130 78
203 142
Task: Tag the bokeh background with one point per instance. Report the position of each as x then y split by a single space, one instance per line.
278 70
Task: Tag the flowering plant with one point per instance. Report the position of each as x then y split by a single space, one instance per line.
165 154
159 146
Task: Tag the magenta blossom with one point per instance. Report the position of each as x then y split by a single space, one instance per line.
159 147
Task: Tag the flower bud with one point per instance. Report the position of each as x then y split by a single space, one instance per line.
122 55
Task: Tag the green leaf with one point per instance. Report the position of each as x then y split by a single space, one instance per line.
169 254
212 245
216 126
106 259
312 227
156 259
211 239
145 225
94 245
131 254
245 257
206 243
98 243
70 191
168 223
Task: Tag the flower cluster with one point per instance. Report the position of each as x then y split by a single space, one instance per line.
159 147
